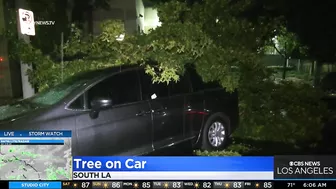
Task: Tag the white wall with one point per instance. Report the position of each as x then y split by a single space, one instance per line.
137 18
151 19
140 12
127 10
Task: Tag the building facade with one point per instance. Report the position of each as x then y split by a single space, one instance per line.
137 17
10 78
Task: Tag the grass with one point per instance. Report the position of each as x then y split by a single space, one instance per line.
240 146
250 147
294 75
247 146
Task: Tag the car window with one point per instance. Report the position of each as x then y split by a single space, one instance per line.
122 88
182 86
78 104
152 90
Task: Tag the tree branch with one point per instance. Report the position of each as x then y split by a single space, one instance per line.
278 51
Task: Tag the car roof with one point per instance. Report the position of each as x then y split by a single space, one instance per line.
103 72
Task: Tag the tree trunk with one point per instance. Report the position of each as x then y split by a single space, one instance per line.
299 65
69 10
312 68
77 14
284 68
90 19
317 74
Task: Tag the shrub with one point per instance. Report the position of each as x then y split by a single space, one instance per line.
217 153
287 112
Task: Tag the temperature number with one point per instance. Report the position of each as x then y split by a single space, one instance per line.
290 185
177 185
237 185
116 185
206 184
85 184
268 185
146 185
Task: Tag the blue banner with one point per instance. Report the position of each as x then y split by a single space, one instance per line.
42 133
37 185
196 164
28 141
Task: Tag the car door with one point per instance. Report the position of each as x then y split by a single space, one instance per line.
124 128
195 111
167 112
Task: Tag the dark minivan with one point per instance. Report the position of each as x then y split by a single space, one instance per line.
119 111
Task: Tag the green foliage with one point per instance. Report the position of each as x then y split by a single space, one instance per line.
183 38
89 52
240 148
63 12
287 112
287 44
217 153
211 36
234 149
215 39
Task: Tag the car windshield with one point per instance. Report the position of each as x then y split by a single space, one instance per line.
55 94
46 98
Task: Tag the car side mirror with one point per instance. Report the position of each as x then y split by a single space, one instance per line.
98 104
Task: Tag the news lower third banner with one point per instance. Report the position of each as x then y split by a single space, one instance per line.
305 167
204 168
173 168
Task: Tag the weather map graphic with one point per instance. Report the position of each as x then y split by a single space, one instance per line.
32 158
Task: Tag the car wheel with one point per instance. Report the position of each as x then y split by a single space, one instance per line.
215 132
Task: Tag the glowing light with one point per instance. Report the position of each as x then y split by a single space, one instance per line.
106 185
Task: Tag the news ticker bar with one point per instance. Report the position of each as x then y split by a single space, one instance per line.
167 184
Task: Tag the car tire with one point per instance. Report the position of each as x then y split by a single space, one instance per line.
215 134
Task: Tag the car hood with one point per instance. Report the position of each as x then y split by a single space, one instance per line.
16 111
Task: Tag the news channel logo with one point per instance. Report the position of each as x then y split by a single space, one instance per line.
304 167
